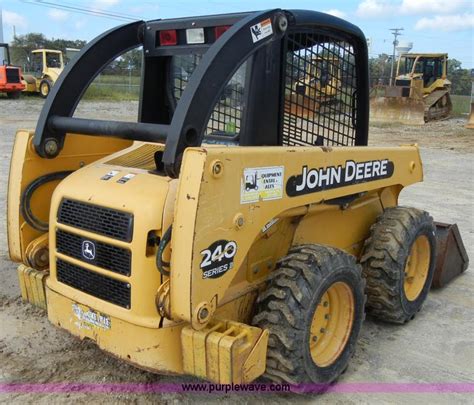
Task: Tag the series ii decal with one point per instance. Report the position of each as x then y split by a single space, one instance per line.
324 178
218 258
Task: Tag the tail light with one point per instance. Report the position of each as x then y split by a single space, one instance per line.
168 37
220 30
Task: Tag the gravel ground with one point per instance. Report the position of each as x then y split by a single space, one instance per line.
437 347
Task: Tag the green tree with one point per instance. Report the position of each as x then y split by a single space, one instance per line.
460 78
379 69
22 45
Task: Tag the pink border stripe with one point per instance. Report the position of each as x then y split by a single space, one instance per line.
143 388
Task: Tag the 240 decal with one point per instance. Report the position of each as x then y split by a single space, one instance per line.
218 258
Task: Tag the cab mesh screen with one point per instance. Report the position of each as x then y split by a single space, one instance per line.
226 115
319 91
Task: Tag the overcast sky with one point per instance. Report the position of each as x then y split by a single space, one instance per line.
432 25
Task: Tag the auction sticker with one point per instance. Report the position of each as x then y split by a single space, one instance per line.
261 184
90 317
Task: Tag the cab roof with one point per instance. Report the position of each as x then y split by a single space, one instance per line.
427 55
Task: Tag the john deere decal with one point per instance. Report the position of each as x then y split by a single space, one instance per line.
324 178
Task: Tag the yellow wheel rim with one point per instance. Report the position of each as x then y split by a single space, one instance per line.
44 89
416 268
332 324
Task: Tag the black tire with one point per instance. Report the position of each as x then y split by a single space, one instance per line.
45 84
287 305
384 261
14 95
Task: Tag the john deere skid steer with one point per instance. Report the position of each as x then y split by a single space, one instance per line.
421 92
222 235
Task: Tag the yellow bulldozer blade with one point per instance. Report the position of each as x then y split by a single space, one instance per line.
301 105
403 110
470 123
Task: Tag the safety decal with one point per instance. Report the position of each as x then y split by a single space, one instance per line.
218 258
109 175
269 224
261 184
325 178
261 30
125 178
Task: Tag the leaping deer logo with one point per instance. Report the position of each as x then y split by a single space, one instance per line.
88 249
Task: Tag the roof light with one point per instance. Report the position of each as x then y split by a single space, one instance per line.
168 37
220 30
195 36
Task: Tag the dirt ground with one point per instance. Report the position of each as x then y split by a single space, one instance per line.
437 347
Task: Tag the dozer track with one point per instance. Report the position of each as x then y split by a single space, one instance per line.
437 105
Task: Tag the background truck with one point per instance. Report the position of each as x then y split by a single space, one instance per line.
10 76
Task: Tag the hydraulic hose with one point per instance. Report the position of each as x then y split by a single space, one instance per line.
25 203
160 263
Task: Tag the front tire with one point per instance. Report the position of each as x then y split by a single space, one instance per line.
313 307
45 88
398 262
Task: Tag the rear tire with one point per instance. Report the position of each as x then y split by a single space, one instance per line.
14 95
398 262
313 307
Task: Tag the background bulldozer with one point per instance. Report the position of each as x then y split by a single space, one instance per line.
317 86
221 240
420 93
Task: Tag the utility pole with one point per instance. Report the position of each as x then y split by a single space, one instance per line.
395 32
2 56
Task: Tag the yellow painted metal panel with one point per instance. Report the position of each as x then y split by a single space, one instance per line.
209 206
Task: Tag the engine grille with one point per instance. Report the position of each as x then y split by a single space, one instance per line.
13 75
97 219
109 257
108 289
403 82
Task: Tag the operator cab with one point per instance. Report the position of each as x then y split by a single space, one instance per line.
227 79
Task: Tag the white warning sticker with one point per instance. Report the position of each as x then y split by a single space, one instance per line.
261 30
261 184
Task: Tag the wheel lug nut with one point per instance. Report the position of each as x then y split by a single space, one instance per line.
322 330
325 303
327 316
315 338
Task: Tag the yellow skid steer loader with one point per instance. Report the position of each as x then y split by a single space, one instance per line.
420 93
222 240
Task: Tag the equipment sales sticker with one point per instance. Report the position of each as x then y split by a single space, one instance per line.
261 184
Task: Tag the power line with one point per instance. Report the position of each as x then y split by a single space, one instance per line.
396 32
83 10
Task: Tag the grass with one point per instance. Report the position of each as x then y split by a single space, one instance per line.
461 105
114 88
110 93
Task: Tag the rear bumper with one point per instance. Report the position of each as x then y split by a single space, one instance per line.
9 87
154 349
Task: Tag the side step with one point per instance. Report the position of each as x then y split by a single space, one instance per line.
32 285
225 352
